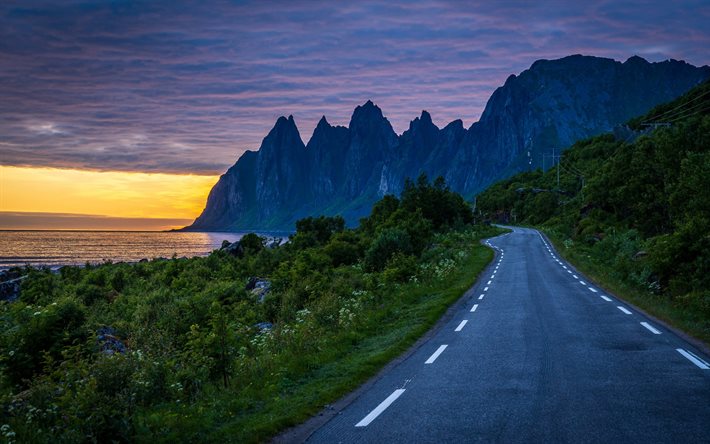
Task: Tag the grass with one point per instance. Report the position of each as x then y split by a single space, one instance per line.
419 308
659 306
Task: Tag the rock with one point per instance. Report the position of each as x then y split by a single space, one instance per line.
264 326
108 342
234 248
258 287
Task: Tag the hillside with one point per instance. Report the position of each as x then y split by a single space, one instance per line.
344 170
631 209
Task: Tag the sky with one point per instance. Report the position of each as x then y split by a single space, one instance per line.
145 103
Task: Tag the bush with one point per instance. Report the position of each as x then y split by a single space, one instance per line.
39 333
387 243
400 268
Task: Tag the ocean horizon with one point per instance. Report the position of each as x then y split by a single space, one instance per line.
57 248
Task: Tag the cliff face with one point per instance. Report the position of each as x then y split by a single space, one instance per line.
344 170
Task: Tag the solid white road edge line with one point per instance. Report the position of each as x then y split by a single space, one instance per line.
694 359
380 408
436 354
623 309
650 328
460 327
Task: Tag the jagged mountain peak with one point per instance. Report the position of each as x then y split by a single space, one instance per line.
634 59
366 112
323 122
454 125
422 122
425 117
283 122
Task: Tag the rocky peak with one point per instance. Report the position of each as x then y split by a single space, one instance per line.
454 127
323 123
422 122
284 134
365 115
636 60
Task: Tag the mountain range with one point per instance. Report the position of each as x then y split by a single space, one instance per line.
344 170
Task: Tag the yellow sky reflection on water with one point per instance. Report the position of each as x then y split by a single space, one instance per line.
115 194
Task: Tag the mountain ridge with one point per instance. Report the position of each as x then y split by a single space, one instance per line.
343 170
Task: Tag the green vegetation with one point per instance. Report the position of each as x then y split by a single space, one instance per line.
196 350
634 215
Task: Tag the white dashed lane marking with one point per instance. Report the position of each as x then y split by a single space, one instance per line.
436 354
475 306
650 328
623 309
694 359
380 408
605 298
461 325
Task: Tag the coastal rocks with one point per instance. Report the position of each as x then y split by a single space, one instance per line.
233 248
259 288
108 342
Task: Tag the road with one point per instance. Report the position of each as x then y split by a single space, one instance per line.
537 354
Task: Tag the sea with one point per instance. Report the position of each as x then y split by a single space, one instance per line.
55 249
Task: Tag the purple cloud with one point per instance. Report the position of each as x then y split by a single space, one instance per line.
186 87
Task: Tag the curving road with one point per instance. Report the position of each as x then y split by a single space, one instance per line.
537 354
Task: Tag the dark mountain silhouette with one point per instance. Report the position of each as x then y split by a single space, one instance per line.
344 170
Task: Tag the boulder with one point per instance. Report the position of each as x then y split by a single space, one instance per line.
108 341
258 287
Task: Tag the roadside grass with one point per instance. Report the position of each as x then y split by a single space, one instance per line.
340 365
685 318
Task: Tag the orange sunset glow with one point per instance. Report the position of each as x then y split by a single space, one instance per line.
143 201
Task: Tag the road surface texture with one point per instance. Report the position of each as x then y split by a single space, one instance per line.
538 354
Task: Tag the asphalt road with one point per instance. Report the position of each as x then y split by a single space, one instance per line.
538 354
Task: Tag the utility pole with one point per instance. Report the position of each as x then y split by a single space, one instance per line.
555 158
558 168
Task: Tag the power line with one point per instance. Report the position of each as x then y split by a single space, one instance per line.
658 116
685 116
683 111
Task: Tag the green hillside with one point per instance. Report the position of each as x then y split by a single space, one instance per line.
632 209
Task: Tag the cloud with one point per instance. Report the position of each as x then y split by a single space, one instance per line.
186 87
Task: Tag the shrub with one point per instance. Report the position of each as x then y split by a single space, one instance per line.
387 243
